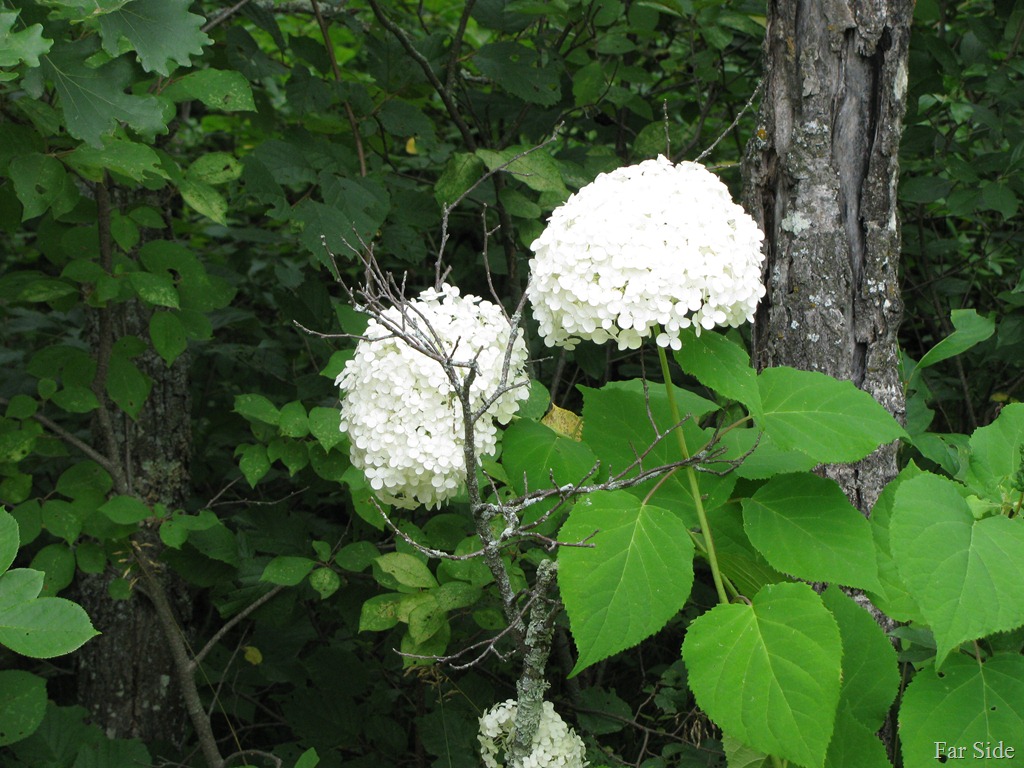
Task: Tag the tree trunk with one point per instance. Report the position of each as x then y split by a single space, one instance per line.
126 677
821 177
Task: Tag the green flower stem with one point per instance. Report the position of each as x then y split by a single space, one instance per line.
691 475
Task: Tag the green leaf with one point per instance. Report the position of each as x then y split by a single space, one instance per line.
829 420
996 454
964 573
25 45
352 211
785 649
76 399
380 613
174 531
45 627
588 84
132 159
406 570
293 421
533 454
19 585
57 564
969 703
805 526
970 329
893 600
205 200
9 539
42 184
167 335
127 386
720 365
453 595
357 556
287 571
617 427
162 32
461 172
325 581
126 510
22 703
254 462
223 90
854 745
324 424
308 759
257 408
996 196
93 99
635 578
534 167
215 168
766 459
871 675
520 71
156 289
61 519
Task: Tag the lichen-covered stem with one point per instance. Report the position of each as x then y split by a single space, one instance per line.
532 683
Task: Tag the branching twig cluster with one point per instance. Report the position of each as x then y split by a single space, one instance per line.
529 614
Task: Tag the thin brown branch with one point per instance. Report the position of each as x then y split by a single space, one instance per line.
229 624
182 665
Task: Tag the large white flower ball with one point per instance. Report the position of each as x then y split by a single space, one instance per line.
401 410
648 246
555 745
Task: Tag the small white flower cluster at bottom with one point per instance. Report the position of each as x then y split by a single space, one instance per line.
555 745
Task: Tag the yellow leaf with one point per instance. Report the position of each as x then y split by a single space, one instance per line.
564 422
253 655
410 146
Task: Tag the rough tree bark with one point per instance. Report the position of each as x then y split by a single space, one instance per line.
126 676
820 178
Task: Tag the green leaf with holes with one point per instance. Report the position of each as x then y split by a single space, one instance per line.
968 703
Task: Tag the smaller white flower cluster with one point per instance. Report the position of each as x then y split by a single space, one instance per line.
554 745
400 409
646 246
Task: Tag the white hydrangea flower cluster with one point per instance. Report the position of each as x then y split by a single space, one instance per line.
646 246
400 410
554 745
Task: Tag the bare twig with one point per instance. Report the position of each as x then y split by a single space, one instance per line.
230 623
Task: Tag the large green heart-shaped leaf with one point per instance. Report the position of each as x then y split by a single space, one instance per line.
996 454
968 703
721 365
637 575
768 673
965 574
804 526
829 420
617 425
